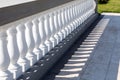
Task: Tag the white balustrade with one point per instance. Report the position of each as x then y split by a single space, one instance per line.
31 38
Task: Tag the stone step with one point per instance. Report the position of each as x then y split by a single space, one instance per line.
88 43
85 49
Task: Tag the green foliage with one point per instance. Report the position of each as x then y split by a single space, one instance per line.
103 1
111 6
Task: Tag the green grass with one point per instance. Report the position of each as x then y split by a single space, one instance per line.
111 6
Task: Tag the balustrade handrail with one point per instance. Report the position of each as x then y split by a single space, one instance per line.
32 37
25 19
16 12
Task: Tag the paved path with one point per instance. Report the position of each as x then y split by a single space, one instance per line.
96 57
105 62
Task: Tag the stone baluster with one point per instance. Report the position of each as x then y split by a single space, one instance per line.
4 58
93 7
85 9
66 21
71 18
77 12
77 15
68 18
80 14
37 39
72 22
56 26
93 3
13 53
69 14
88 9
22 47
48 32
59 22
52 28
63 23
60 25
74 12
30 43
43 46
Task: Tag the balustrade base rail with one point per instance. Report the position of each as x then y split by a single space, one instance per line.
37 71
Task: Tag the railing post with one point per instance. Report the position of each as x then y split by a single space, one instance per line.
96 5
13 53
56 26
66 21
4 58
61 34
47 31
22 46
30 43
43 46
37 39
63 23
52 28
71 18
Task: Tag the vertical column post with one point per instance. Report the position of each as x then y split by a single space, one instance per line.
56 26
37 39
22 47
43 46
59 25
48 31
52 28
4 58
96 6
13 53
30 43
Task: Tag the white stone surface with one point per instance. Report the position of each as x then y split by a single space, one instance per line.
6 3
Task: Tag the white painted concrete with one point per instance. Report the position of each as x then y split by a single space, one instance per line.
6 3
